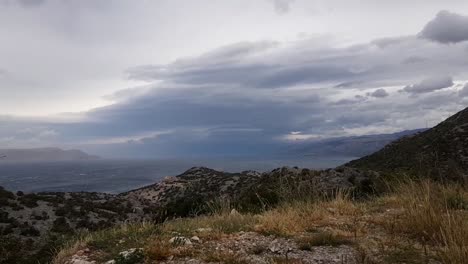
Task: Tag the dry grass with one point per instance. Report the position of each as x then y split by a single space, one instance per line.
322 239
68 250
158 250
434 214
217 224
108 243
416 221
304 216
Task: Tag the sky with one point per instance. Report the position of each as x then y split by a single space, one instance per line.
166 78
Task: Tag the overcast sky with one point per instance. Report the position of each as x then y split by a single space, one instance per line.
155 78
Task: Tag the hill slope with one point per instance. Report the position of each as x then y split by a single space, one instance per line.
438 152
356 146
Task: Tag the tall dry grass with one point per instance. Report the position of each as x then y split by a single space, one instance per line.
435 214
295 217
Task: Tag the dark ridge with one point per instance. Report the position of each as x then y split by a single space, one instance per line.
440 152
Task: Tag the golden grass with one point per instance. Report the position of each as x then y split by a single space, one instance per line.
158 250
293 218
216 224
434 214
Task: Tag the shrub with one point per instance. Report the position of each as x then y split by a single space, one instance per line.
158 251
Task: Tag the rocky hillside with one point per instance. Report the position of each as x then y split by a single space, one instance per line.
440 152
356 146
30 222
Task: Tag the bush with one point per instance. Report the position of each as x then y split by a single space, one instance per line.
61 225
30 231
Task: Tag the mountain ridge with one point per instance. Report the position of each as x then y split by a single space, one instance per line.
440 152
44 154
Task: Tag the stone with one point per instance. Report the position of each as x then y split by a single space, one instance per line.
195 239
180 241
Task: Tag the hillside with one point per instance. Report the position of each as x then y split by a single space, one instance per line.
44 154
416 222
31 222
440 152
356 146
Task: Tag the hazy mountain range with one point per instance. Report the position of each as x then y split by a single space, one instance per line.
356 146
44 154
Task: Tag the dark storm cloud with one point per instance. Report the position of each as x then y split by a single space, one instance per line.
447 27
429 85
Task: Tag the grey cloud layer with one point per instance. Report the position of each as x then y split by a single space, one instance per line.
260 65
248 98
430 85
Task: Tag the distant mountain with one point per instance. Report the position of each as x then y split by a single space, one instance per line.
357 146
438 152
44 154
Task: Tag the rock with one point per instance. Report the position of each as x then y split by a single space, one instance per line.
195 239
79 259
274 247
180 241
234 212
127 253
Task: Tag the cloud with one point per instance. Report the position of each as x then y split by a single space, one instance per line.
429 85
267 65
379 93
282 6
446 27
247 97
24 3
464 91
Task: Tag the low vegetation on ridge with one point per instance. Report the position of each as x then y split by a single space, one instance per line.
416 221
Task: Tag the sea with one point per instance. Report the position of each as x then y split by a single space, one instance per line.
116 176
